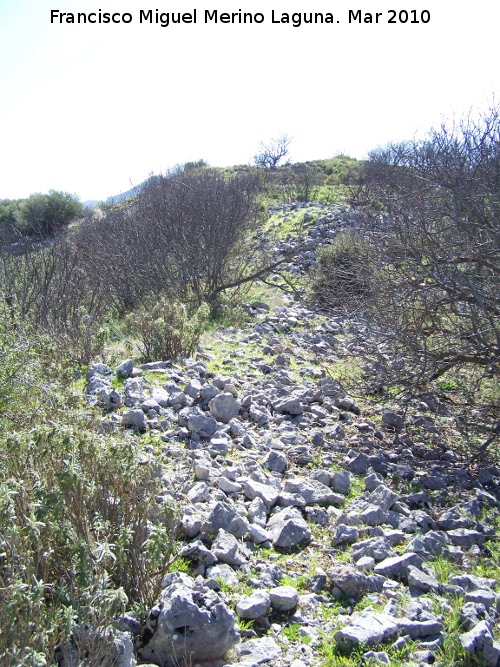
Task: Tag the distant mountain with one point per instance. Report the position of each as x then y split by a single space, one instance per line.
115 199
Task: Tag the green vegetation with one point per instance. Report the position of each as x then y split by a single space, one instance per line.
165 329
75 507
343 274
40 215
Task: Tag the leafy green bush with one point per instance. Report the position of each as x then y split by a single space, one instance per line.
45 214
344 273
81 532
166 329
20 371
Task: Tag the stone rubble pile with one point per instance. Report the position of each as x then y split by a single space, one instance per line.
295 506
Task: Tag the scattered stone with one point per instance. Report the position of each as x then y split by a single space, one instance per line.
252 461
228 550
419 629
199 493
110 398
379 548
124 369
479 640
368 629
473 613
421 580
254 606
383 497
284 598
359 464
259 651
291 406
135 419
275 461
287 528
393 419
352 583
198 422
268 494
224 407
314 492
376 658
462 537
225 516
345 535
396 567
341 482
365 564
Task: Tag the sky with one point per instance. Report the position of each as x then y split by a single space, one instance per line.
93 109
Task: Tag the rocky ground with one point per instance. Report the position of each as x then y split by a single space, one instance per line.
317 528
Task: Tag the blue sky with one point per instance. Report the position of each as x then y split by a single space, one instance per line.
94 109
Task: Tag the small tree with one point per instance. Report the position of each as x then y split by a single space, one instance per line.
273 152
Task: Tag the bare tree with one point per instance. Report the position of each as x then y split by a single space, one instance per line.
273 152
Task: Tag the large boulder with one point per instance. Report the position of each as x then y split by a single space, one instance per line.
193 625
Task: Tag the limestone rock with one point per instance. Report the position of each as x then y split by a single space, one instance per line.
224 407
254 606
193 624
287 528
369 629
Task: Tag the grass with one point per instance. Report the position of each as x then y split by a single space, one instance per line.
333 656
348 370
300 582
246 623
357 488
291 223
293 633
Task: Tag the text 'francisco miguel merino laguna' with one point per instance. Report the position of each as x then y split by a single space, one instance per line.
164 19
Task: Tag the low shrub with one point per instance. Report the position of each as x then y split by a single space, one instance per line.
165 328
82 535
344 272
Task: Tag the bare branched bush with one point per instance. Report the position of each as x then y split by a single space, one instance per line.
51 291
298 182
438 237
190 232
432 223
